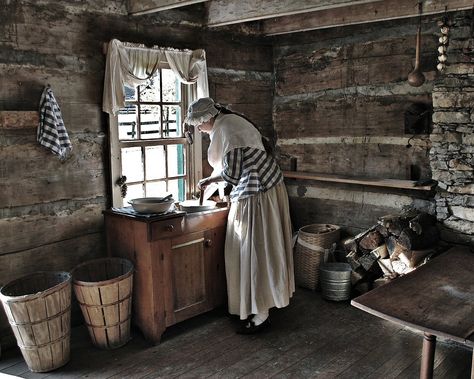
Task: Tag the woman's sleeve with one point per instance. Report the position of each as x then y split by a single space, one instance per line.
233 166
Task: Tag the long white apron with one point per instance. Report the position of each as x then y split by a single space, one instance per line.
258 253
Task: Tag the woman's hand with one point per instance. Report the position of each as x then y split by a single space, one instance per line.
203 183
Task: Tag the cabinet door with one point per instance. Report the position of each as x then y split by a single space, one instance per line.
186 264
216 280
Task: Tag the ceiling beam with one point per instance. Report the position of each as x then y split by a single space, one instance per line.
358 14
138 7
226 12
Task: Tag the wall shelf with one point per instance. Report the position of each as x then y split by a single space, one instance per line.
391 183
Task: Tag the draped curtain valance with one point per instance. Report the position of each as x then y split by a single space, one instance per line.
132 65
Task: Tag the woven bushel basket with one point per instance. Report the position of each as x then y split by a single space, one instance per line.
307 259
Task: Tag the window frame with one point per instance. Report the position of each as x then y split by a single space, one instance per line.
193 151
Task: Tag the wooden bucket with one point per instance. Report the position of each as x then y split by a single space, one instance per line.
103 288
38 307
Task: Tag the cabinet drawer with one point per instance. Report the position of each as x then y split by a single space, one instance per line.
165 228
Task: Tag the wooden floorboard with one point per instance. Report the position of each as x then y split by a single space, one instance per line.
312 338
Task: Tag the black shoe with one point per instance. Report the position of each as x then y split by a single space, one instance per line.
250 328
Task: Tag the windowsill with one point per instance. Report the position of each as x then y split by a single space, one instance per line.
391 183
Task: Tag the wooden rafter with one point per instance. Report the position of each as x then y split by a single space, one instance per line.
138 7
359 14
226 12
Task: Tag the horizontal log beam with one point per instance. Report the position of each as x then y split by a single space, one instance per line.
358 14
138 7
226 12
19 119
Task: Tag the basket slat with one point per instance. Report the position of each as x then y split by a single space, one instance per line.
38 309
306 259
103 288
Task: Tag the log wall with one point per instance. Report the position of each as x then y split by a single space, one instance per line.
51 212
339 108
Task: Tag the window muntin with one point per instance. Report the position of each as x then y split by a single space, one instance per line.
153 150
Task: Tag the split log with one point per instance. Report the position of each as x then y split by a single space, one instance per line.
380 252
353 260
401 268
393 247
410 240
421 222
367 261
386 266
350 245
413 258
382 230
371 241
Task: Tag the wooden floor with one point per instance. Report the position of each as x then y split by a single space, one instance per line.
311 338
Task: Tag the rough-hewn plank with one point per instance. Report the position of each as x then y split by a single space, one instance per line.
390 183
44 229
147 6
18 119
356 14
343 115
225 12
312 67
43 178
362 160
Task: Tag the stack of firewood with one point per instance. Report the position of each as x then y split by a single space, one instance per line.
396 245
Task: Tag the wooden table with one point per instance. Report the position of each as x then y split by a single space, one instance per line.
437 299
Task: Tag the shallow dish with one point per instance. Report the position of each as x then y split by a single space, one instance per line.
151 204
191 206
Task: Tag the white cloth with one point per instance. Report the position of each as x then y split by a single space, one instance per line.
259 253
132 65
229 132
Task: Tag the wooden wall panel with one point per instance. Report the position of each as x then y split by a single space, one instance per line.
340 114
349 62
43 229
339 108
362 160
42 177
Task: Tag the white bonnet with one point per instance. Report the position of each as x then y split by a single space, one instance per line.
200 111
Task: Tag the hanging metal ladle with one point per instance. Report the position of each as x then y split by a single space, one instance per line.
416 77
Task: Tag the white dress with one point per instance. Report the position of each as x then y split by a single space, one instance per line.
258 246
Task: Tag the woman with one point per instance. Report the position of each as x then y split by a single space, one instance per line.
258 247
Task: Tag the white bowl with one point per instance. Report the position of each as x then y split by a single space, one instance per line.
151 204
191 206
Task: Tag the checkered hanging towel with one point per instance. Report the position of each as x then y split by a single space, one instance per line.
52 133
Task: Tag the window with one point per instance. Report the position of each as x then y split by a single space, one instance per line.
148 145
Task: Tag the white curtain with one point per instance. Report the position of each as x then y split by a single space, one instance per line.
129 65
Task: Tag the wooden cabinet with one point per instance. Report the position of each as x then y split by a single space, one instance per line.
179 265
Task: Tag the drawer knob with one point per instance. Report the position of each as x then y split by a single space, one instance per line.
169 228
208 243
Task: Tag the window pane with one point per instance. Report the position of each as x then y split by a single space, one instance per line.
155 162
177 188
134 191
127 122
156 189
151 90
171 86
132 164
172 121
130 93
150 121
176 159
